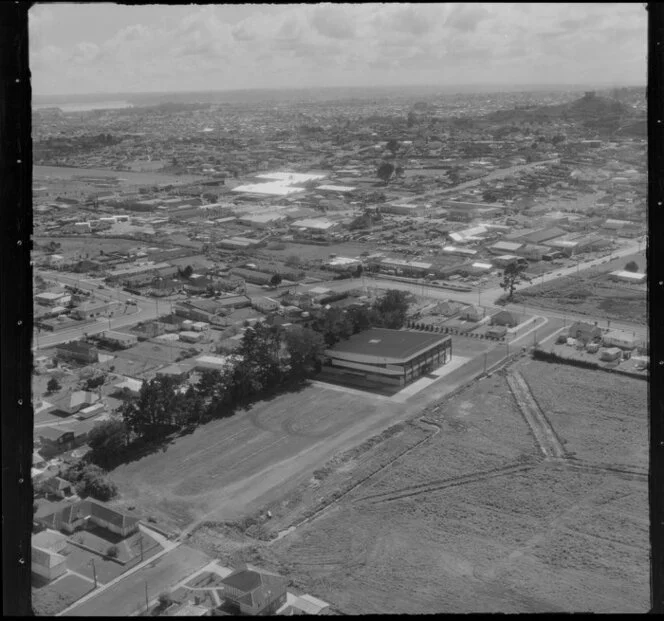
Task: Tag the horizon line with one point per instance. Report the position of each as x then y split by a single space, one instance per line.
534 86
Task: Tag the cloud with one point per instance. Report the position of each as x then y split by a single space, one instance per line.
299 45
333 21
466 17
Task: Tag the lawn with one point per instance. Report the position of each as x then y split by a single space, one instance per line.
50 599
600 417
248 455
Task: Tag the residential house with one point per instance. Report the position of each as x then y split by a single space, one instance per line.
47 560
496 332
623 340
471 313
90 512
92 309
504 318
74 402
252 591
446 309
58 487
55 440
77 351
585 332
304 605
118 339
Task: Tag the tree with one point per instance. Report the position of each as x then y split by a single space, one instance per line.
275 281
411 119
632 266
187 271
53 385
95 382
392 145
304 346
512 275
112 551
385 171
152 414
392 309
107 439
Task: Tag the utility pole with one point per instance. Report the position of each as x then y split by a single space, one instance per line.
94 571
486 354
147 605
140 540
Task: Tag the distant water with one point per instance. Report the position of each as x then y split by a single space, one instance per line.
84 107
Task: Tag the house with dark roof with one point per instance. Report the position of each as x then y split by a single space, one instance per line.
504 318
77 351
252 591
584 331
87 513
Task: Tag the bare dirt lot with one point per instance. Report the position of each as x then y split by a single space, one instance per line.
472 519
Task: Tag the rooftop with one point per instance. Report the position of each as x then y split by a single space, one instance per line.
388 344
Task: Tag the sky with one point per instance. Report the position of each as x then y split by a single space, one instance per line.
107 48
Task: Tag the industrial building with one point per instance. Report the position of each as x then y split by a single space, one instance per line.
393 357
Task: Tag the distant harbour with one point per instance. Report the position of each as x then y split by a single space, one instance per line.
84 107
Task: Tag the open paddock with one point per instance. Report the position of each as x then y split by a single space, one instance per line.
600 417
471 521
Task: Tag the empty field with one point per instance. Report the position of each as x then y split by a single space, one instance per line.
226 465
600 417
592 293
473 521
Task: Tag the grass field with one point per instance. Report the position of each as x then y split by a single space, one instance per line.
226 465
473 521
600 417
592 293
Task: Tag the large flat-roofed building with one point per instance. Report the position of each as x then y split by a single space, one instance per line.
393 357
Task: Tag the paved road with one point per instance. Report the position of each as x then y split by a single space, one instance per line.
128 594
145 310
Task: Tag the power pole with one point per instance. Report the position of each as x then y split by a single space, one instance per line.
94 571
486 354
140 540
147 605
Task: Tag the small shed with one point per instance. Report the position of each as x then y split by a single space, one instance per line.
609 354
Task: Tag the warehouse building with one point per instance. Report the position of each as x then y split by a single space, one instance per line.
394 357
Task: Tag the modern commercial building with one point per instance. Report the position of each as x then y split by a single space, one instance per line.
393 357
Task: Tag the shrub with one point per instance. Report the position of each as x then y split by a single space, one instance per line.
165 599
112 552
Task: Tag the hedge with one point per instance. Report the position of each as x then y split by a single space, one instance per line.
549 356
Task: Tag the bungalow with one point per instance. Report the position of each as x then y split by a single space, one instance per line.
76 401
118 339
55 440
251 591
55 486
585 332
496 332
77 351
503 247
504 318
176 371
472 313
91 310
446 309
88 512
623 340
625 276
129 386
190 336
47 560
